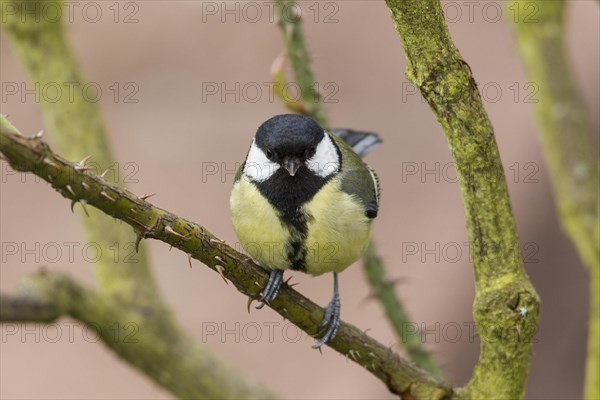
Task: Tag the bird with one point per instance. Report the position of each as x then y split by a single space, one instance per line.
304 200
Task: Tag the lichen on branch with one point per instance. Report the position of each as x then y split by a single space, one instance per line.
569 149
506 304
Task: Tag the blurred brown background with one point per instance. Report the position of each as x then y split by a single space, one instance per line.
176 131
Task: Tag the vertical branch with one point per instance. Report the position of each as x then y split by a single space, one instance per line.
592 367
290 22
566 137
78 129
297 53
506 306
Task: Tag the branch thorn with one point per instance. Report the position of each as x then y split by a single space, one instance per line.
83 203
147 195
51 163
172 232
287 282
70 189
278 64
81 165
106 195
138 239
220 269
219 259
354 354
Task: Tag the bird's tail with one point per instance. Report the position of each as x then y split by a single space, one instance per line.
361 142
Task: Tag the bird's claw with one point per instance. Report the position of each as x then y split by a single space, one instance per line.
331 319
272 289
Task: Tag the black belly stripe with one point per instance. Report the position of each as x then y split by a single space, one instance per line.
297 254
288 194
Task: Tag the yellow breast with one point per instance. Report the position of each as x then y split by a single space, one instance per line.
337 229
258 227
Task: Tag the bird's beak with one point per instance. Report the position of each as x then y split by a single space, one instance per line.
291 165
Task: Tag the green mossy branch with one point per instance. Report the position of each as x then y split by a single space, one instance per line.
27 308
506 305
46 296
569 149
290 22
76 184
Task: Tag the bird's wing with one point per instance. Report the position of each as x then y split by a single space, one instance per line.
361 142
358 179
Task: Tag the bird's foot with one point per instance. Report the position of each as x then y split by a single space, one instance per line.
272 289
331 320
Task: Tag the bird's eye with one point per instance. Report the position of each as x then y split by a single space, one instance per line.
313 150
269 154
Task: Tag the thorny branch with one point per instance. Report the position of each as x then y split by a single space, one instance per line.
148 221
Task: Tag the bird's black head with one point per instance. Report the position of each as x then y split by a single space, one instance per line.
289 140
290 159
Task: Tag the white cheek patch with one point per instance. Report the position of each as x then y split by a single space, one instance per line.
326 160
258 167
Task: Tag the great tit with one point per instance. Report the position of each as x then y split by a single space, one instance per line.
304 200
